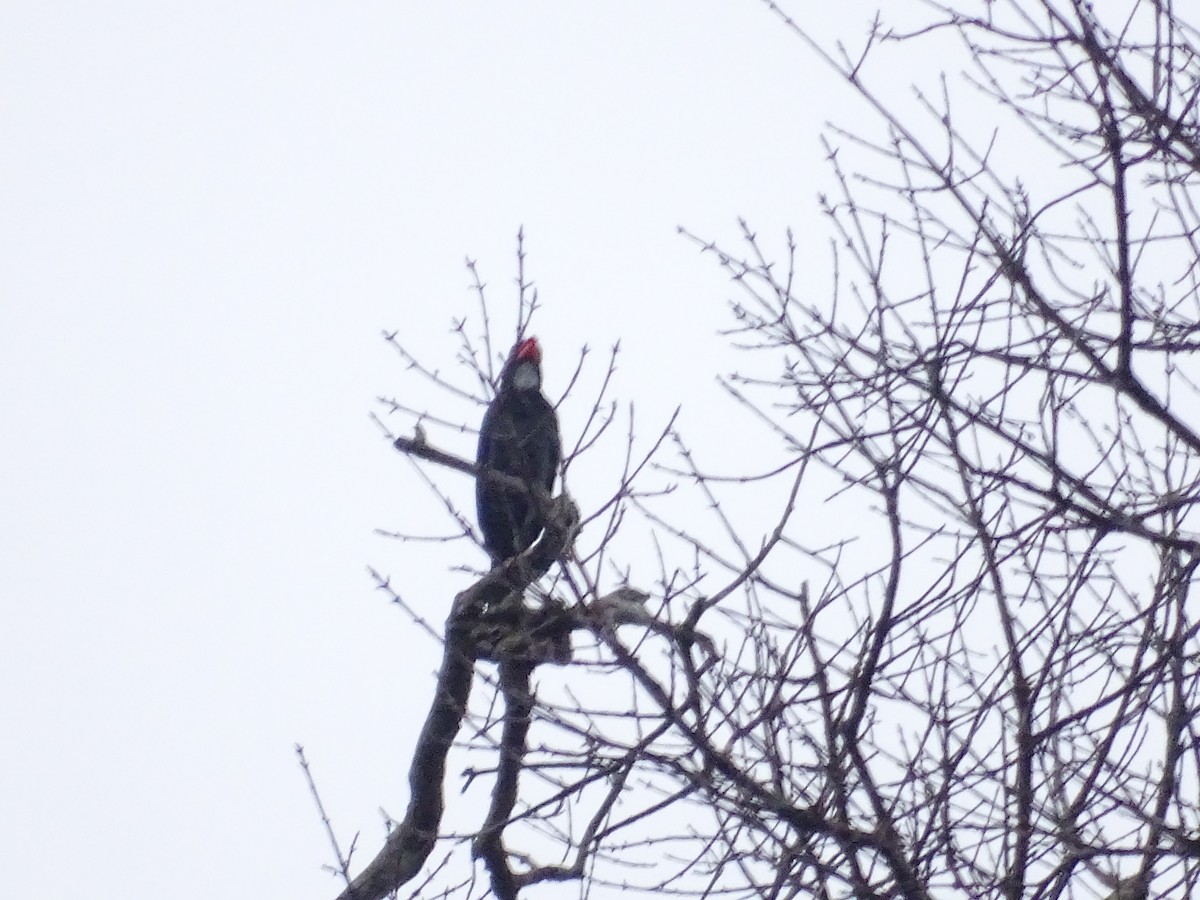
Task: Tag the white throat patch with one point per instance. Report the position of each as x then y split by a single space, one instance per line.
526 377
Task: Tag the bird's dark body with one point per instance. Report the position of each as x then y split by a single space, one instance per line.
519 437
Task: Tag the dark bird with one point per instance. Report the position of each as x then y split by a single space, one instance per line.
519 437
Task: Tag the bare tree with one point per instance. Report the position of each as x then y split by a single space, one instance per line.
970 667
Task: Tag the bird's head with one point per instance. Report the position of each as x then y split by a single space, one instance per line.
529 349
525 366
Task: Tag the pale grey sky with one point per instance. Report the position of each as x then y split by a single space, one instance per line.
208 212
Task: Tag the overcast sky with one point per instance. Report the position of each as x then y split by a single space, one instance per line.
208 213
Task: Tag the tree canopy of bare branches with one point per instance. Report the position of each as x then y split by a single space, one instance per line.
953 652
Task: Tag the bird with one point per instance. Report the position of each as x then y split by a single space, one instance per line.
519 437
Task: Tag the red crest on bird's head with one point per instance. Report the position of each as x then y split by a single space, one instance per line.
529 349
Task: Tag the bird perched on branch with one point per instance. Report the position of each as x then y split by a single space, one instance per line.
519 437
